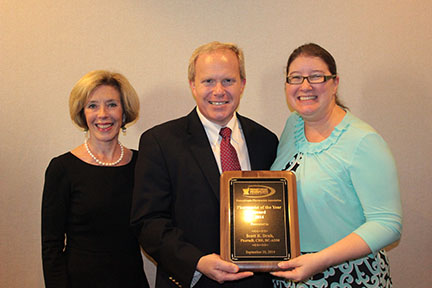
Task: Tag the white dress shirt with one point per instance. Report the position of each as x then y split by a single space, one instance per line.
237 140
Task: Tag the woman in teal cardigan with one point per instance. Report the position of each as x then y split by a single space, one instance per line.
348 192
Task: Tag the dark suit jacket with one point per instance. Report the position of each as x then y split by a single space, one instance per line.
175 206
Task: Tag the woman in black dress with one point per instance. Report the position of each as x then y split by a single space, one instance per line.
86 240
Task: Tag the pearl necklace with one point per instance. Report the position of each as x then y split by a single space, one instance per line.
103 163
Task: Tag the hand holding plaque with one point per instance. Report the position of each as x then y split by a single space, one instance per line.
259 222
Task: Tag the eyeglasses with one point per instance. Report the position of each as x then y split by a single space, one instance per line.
312 79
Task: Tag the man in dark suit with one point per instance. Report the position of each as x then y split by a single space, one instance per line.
175 209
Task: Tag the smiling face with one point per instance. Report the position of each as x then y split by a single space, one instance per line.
103 113
312 101
217 86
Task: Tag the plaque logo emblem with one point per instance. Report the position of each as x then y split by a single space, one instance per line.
258 191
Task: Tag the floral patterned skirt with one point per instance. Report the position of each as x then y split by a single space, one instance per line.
369 271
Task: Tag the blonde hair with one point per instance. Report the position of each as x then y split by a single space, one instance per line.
214 46
90 81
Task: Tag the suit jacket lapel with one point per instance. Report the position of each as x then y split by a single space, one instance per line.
200 149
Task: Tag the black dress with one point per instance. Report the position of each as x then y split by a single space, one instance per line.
86 239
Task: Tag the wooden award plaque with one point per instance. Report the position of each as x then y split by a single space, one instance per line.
259 222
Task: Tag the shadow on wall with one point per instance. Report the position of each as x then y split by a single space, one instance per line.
273 106
163 103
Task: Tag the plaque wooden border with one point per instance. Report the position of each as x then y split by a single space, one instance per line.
226 218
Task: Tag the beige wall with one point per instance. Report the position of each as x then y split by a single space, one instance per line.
383 50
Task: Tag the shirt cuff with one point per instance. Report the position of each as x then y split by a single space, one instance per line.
196 277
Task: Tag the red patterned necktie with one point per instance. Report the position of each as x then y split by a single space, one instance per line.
228 154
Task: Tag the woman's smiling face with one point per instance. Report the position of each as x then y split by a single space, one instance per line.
311 101
103 112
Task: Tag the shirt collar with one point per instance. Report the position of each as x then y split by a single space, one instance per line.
212 129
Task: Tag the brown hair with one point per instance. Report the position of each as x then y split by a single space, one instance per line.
314 50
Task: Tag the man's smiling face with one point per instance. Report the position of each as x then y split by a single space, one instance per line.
217 86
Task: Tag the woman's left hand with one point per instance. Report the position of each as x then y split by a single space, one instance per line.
301 268
307 265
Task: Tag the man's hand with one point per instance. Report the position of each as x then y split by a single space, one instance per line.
219 270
